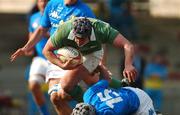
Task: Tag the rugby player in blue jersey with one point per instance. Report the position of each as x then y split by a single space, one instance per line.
99 99
39 63
56 11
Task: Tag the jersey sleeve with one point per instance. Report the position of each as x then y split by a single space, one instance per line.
61 34
106 33
30 28
45 21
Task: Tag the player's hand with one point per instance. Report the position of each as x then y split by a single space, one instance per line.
67 65
130 73
18 53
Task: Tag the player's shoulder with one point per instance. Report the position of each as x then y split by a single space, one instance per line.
134 90
65 29
86 9
99 25
97 22
99 85
130 88
35 16
53 3
81 4
68 25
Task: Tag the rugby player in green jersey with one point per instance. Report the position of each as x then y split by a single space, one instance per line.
87 35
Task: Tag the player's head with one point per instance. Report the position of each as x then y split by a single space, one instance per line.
41 5
82 28
83 109
69 2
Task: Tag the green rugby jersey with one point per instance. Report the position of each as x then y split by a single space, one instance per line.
101 33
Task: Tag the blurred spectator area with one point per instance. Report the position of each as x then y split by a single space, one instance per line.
165 8
157 8
15 6
158 25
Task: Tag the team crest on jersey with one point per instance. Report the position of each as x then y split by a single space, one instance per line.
35 25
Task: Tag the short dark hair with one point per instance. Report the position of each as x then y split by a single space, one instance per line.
82 27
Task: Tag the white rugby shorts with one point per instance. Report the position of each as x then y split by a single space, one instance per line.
38 69
90 62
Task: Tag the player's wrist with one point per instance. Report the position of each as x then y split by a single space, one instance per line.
25 49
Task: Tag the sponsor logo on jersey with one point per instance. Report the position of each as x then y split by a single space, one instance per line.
54 14
35 25
54 25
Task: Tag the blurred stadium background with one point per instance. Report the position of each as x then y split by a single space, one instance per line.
158 23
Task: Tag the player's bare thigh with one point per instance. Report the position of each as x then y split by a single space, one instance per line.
73 77
70 78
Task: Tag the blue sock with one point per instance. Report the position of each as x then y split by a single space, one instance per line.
44 110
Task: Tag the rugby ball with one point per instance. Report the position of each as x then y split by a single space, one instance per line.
67 53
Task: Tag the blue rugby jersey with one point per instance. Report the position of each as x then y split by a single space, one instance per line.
56 12
108 101
33 24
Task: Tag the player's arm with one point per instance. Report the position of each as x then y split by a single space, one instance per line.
31 51
129 70
112 36
48 52
34 38
104 71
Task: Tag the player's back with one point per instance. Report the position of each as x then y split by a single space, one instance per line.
111 101
145 103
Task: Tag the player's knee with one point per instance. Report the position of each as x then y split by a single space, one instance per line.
37 78
34 86
35 81
55 99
